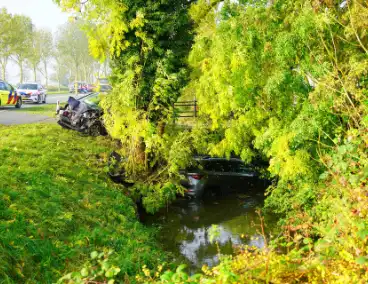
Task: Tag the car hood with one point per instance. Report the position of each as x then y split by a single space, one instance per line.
26 91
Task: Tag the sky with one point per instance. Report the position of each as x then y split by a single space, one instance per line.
44 14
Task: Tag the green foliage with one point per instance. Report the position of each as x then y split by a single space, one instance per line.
282 87
57 207
21 32
98 268
148 42
281 80
6 37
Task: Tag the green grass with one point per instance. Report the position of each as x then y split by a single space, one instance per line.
62 92
48 110
57 206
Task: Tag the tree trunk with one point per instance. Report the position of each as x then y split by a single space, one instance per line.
46 74
21 72
105 68
3 71
4 63
58 75
85 73
35 73
75 81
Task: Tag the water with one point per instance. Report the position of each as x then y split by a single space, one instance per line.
185 225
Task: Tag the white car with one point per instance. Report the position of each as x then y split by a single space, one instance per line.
32 92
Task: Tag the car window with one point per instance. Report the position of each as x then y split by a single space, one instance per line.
104 81
93 99
105 88
8 87
11 88
28 86
216 166
2 86
240 167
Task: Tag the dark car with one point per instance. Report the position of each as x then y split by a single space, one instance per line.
217 176
83 115
209 176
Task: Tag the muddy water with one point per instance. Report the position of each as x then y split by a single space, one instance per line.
185 226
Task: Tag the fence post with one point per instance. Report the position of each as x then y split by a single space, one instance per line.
195 107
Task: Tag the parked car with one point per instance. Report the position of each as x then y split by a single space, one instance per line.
209 176
103 85
91 88
82 87
9 95
217 176
83 115
32 92
105 88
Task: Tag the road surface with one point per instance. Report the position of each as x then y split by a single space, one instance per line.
10 115
51 99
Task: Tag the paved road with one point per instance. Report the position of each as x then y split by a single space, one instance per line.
51 99
10 115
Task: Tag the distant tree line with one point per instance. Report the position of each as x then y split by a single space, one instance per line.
39 50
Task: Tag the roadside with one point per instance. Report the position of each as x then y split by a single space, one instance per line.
23 117
32 113
58 207
44 110
57 92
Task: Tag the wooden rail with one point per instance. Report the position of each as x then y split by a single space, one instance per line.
185 109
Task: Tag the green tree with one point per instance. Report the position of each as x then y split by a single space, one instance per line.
60 67
148 42
34 52
46 51
6 39
287 82
22 29
72 48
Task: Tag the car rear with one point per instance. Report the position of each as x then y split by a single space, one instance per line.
193 183
218 176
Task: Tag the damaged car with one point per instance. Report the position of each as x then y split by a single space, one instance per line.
83 115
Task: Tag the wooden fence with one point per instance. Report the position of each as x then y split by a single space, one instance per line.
185 109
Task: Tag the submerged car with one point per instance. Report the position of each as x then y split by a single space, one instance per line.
83 115
210 176
213 175
9 95
32 92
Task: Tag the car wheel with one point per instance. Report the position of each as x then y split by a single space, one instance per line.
19 103
44 99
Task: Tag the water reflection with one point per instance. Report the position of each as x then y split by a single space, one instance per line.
185 227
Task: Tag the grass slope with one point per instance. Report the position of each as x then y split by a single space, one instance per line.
57 206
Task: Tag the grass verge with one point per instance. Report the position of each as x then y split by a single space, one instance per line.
62 92
47 110
57 206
